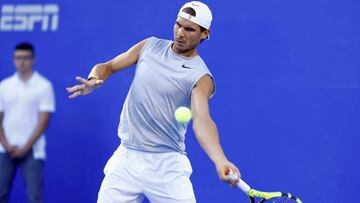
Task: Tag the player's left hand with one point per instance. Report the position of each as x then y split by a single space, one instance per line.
223 168
86 87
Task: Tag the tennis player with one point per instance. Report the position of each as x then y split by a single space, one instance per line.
151 159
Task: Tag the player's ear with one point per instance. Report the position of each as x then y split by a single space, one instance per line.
205 34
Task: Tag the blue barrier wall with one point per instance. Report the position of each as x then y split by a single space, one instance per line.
287 101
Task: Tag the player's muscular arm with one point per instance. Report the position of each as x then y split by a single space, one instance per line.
206 131
103 70
203 125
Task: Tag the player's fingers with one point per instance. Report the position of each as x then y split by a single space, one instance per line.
70 89
233 175
75 88
82 80
237 171
234 169
75 94
232 182
228 177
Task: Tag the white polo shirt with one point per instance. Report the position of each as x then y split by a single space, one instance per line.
21 102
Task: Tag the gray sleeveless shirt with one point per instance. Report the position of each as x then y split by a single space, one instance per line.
163 82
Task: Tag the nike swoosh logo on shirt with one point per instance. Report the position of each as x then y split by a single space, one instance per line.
186 67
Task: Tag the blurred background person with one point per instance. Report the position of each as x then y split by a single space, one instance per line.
26 103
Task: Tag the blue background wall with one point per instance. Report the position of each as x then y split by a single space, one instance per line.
287 102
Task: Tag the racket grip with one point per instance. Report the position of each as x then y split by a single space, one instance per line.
241 184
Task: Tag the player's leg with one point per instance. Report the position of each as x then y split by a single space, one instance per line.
115 189
32 170
171 183
179 190
7 174
119 184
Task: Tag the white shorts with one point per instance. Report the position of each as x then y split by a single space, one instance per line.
131 175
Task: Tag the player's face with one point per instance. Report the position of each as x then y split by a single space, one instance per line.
187 35
23 60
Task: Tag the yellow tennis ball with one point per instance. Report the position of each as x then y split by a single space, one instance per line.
183 114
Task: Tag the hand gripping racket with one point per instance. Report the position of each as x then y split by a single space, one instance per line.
275 197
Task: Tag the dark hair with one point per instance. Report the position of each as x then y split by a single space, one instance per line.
25 46
192 12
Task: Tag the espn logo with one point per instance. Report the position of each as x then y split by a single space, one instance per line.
27 17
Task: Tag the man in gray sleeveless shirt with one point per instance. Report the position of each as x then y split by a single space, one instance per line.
151 159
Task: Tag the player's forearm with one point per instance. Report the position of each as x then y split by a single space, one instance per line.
103 70
207 135
39 130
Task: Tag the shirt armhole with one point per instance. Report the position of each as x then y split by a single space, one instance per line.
146 45
197 80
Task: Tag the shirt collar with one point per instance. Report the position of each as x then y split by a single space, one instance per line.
28 81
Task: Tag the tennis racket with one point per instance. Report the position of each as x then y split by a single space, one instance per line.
275 197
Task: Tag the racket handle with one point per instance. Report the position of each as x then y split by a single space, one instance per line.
241 184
